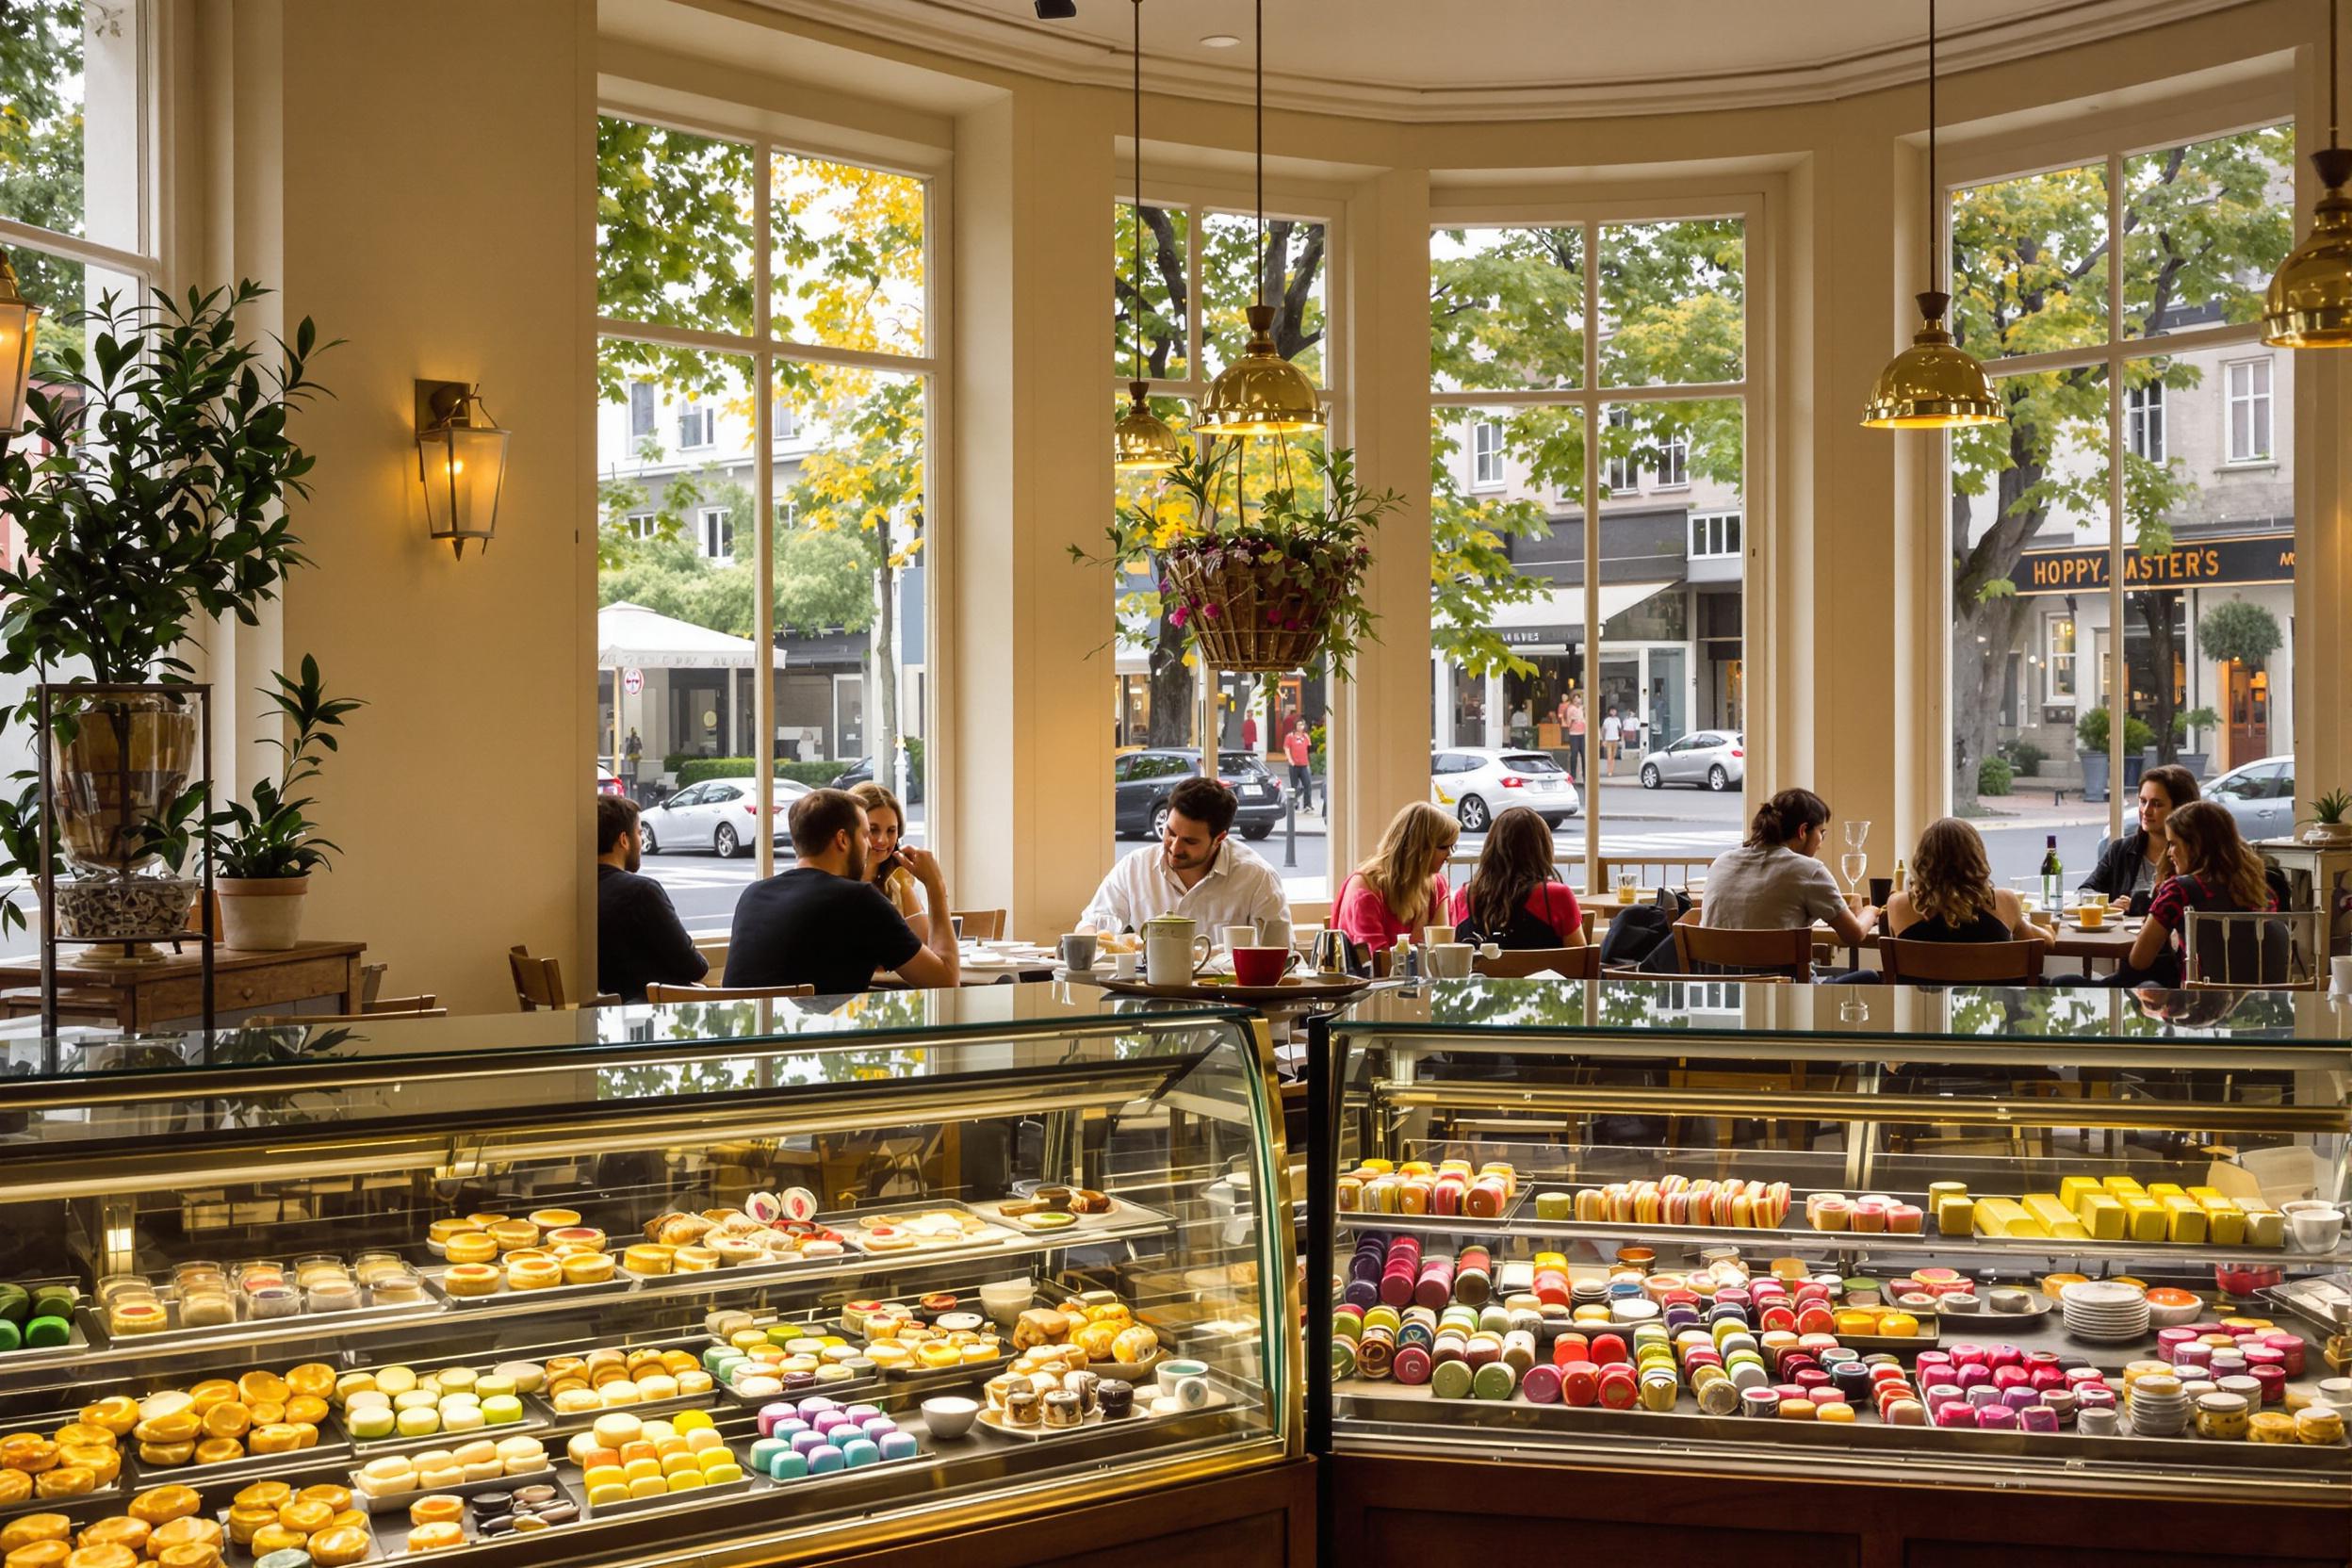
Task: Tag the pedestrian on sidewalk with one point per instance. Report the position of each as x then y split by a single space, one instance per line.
1613 738
1572 720
1300 752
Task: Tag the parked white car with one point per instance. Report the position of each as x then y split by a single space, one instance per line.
718 814
1476 782
1714 759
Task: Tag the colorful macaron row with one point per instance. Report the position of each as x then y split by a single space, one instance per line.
1673 1199
1447 1189
815 1436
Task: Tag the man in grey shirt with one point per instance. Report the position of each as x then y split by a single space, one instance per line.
1775 881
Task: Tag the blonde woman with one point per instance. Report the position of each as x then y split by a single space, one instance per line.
1402 887
1950 896
886 823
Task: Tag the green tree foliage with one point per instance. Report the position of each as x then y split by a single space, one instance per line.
2238 630
2205 224
41 152
820 577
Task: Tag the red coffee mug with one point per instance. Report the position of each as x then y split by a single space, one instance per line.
1261 965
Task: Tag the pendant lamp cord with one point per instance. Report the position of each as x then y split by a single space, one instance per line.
2334 7
1259 48
1935 195
1138 245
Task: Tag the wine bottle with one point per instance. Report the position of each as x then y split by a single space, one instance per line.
2053 877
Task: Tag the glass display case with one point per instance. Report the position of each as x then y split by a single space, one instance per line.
2077 1243
741 1281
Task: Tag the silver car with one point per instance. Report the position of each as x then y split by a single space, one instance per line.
718 814
2261 795
1717 759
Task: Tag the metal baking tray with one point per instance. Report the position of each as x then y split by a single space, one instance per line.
2308 1301
891 1466
531 1424
392 1527
399 1501
847 1222
833 1390
231 1552
1096 1422
326 1451
37 1504
552 1295
1122 1212
541 1414
90 1321
82 1330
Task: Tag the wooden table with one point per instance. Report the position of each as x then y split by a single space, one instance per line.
2109 945
171 990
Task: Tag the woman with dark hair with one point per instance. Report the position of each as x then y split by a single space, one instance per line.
1950 896
1775 881
2134 864
2216 872
1514 897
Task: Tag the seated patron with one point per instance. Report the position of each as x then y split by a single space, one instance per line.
1775 881
1950 896
885 823
1402 887
1514 897
1197 870
2215 872
824 924
640 940
2135 863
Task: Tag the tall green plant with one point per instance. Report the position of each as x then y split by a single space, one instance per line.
273 836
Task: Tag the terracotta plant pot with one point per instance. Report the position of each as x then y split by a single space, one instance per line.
261 914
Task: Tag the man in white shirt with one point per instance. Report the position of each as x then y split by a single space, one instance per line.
1197 870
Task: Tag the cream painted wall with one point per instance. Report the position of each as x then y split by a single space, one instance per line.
436 213
434 170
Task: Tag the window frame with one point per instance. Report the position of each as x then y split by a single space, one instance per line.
750 126
2143 415
1674 474
2184 119
1715 536
2056 659
1488 433
2257 401
715 526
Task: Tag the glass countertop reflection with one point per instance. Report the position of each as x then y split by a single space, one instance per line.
1835 1018
423 1047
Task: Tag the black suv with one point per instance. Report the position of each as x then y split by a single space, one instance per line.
1141 781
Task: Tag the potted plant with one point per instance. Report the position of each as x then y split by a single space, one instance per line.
146 495
1280 590
264 848
2194 719
2328 824
2092 731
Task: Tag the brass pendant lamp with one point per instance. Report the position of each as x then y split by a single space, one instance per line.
2310 303
1142 444
1261 393
1932 385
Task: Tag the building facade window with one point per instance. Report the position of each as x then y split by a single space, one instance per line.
1486 455
2058 660
2144 421
715 532
1674 463
698 426
1617 467
1714 533
642 396
2249 410
642 525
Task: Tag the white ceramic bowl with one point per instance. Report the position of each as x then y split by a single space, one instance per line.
949 1416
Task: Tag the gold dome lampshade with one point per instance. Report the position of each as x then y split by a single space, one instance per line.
1261 393
1932 385
1143 442
2310 303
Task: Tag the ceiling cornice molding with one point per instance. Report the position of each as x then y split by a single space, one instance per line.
962 30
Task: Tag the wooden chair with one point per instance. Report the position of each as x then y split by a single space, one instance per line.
987 925
1917 963
2269 950
661 995
424 1002
539 984
1733 951
1571 963
370 983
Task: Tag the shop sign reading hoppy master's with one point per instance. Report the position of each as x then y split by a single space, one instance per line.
2200 564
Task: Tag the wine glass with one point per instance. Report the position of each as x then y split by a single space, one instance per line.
1858 832
1854 864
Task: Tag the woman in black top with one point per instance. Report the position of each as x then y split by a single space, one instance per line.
2136 865
1950 896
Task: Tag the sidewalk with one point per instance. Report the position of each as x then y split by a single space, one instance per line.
2028 807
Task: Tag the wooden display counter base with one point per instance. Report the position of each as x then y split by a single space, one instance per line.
1262 1518
1410 1513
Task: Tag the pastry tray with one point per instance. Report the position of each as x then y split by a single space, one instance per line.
552 1295
398 1502
2303 1299
90 1321
1522 1206
392 1526
1097 1422
535 1421
327 1452
2042 1307
37 1504
696 1497
888 1466
232 1553
541 1414
1122 1212
830 1390
82 1328
779 1266
847 1222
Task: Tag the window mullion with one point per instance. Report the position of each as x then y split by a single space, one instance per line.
763 505
2119 678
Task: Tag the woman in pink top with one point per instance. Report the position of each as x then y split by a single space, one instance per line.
1515 898
1402 887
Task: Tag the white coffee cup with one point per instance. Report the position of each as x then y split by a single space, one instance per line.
2341 970
1432 935
1237 935
2315 1226
1449 960
1124 965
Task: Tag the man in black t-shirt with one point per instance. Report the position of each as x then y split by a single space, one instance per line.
824 924
639 939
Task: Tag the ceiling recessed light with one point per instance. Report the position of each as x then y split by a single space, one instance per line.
1220 41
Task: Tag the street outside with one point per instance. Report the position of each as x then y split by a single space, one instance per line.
1635 822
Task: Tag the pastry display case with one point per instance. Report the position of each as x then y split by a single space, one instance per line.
730 1283
1815 1262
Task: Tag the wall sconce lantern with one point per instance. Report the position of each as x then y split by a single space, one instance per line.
461 456
19 318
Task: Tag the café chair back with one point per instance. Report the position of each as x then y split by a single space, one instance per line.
1569 963
1732 951
661 995
2277 950
985 925
538 982
1917 963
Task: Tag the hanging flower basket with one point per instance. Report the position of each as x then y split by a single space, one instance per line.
1279 591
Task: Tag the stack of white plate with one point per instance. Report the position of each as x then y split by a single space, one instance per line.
2159 1406
2104 1312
